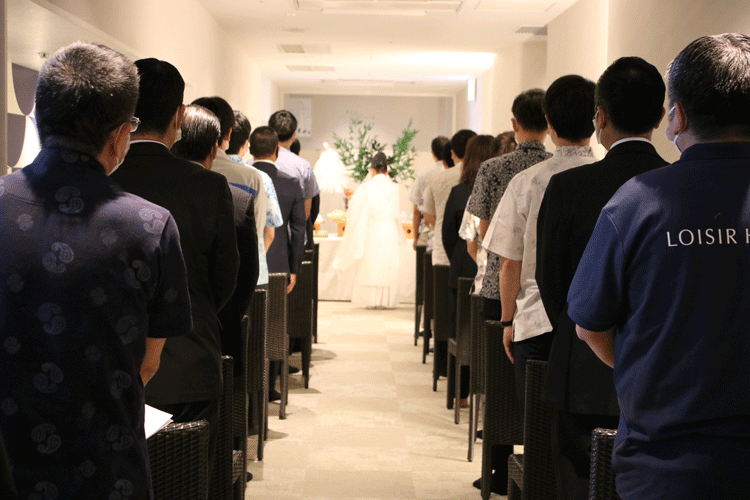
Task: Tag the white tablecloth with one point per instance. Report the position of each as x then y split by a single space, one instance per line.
338 285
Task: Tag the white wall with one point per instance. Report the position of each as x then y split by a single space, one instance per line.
3 94
389 116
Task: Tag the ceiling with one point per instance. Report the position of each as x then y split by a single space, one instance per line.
419 47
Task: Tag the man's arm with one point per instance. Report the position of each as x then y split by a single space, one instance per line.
484 225
472 247
225 260
297 225
268 234
416 218
510 286
602 343
308 208
152 358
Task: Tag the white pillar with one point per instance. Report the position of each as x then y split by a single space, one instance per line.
3 89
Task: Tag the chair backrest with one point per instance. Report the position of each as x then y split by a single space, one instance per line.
221 470
477 361
299 308
256 349
441 302
502 420
428 287
277 341
178 458
602 476
538 467
463 320
419 292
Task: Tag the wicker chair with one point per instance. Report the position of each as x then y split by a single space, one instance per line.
240 416
419 291
277 340
459 347
257 369
300 314
476 364
223 468
316 267
441 318
602 478
178 457
428 305
502 415
532 475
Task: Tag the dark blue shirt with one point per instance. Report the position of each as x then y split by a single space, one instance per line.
87 272
668 266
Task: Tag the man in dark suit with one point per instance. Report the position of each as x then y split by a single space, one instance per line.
188 383
201 132
629 106
288 247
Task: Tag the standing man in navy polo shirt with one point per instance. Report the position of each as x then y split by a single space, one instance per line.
661 291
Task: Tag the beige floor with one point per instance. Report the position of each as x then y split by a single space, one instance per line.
370 425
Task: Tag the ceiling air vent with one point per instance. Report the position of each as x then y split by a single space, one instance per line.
299 67
285 48
532 30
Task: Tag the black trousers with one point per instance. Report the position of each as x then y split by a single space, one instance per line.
493 310
571 449
536 348
198 410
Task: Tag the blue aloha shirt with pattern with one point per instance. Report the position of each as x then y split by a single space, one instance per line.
273 217
87 272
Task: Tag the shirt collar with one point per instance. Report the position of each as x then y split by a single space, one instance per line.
531 145
574 151
629 139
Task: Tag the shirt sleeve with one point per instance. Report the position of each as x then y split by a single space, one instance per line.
595 298
468 228
169 312
479 199
416 191
311 184
273 209
508 225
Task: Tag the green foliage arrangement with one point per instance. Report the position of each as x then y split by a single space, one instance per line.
357 149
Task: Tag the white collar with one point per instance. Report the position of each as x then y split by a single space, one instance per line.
628 139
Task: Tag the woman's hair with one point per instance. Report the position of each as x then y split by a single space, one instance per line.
379 163
504 143
478 149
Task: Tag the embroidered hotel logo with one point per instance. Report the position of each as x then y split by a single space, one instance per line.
708 236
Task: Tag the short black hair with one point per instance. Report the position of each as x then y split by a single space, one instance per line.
162 91
459 141
569 106
710 78
200 133
446 154
379 162
631 91
84 92
284 123
295 147
221 109
437 145
240 133
528 110
263 142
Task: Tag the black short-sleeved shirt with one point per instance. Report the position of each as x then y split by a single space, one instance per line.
87 272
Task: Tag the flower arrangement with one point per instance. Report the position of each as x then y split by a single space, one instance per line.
358 148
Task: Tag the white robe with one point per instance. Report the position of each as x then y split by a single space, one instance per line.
372 240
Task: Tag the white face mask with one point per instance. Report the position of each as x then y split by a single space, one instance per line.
670 115
120 160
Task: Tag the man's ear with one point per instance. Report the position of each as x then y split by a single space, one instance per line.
515 125
121 138
214 151
178 116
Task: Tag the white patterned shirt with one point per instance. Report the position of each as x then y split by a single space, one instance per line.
512 233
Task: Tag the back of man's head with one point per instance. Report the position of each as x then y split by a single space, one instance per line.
446 155
240 133
263 142
569 106
710 79
437 145
528 111
162 91
84 92
200 132
631 91
284 123
221 109
295 147
459 141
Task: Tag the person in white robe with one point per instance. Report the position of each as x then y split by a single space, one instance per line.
373 238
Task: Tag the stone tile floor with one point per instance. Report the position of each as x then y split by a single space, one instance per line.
369 426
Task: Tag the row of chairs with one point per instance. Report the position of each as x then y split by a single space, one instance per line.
178 454
478 344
